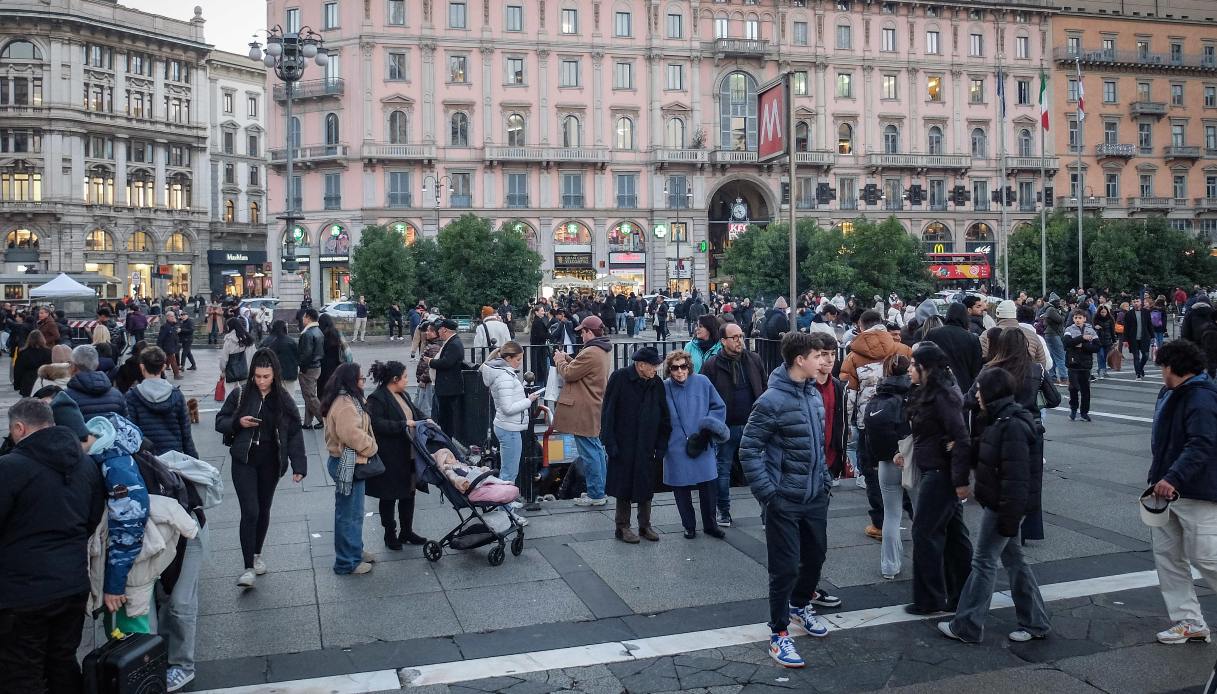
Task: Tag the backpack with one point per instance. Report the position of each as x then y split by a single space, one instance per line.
1155 318
884 426
869 376
160 479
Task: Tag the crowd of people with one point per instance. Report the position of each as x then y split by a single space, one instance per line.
925 404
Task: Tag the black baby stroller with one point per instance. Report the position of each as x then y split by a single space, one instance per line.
473 531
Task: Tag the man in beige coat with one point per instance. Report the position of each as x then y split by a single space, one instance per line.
584 378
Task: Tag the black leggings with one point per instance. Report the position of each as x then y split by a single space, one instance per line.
707 497
255 487
1079 381
405 512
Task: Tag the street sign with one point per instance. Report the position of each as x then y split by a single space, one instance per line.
771 108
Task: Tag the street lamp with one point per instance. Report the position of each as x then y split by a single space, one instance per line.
436 183
685 228
289 52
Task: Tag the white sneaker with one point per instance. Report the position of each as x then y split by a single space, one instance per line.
176 678
585 500
247 579
860 481
520 520
1184 632
259 565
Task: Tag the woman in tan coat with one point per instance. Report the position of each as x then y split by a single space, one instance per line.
349 440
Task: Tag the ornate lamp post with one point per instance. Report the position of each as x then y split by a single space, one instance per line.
438 182
289 53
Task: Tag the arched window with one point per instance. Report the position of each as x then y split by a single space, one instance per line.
1025 146
802 137
626 237
230 211
891 140
737 112
399 133
625 133
141 188
675 136
937 238
980 143
572 234
177 192
20 50
177 243
294 133
21 238
255 213
515 130
335 241
570 131
408 233
299 237
978 232
139 242
331 128
845 139
459 132
99 186
935 140
99 240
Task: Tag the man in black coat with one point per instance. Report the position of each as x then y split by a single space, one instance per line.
1139 333
449 386
634 428
185 335
961 345
51 500
538 341
167 339
739 377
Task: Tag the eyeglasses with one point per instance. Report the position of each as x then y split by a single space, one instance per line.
733 337
678 367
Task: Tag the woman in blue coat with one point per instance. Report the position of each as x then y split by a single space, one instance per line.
699 425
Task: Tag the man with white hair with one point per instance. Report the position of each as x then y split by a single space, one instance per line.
90 388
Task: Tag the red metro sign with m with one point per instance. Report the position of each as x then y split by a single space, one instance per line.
771 108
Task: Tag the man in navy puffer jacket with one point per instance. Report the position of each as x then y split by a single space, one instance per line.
158 407
782 454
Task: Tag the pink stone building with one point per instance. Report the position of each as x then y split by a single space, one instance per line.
621 134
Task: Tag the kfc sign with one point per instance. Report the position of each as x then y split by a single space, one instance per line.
771 108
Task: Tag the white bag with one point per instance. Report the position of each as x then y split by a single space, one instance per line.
206 478
910 474
553 385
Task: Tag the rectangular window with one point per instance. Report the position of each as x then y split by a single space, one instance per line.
798 83
515 18
845 85
333 191
570 74
938 194
399 189
1146 186
457 14
1111 185
397 67
623 76
1143 91
1026 196
457 69
329 15
570 20
1023 88
292 20
462 190
845 37
1111 133
627 191
1210 187
976 92
931 42
397 12
676 25
228 99
1176 95
933 88
1176 52
980 195
976 45
1109 91
889 87
1178 135
517 190
1109 48
515 71
752 29
1073 45
255 176
721 28
1210 139
1022 47
800 33
230 142
252 146
677 189
1179 187
251 106
676 77
1071 90
622 24
1145 137
1210 96
847 192
887 40
572 190
230 174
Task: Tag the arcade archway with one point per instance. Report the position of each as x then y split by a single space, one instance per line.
733 206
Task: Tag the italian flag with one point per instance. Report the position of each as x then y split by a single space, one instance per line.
1044 100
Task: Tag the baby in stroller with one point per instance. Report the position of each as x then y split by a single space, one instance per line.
488 490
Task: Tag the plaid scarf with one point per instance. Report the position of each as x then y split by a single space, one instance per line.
346 462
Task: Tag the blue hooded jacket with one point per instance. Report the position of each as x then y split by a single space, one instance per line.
782 447
126 496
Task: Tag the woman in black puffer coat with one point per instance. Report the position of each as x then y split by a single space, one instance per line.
1007 489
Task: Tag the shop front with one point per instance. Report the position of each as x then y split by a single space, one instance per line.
627 260
335 263
573 267
237 273
680 274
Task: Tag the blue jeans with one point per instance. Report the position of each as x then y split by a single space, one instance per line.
348 524
726 457
424 396
1056 349
969 621
621 322
595 460
1101 358
511 445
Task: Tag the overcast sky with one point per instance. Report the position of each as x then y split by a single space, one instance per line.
230 23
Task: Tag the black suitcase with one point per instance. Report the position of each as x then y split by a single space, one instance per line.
134 664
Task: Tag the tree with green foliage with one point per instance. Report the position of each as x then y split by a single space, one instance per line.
480 266
758 261
884 258
382 269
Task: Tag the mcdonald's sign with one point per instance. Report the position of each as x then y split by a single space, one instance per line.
940 248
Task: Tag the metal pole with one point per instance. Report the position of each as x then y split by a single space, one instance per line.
1004 235
792 157
291 210
1043 221
1081 143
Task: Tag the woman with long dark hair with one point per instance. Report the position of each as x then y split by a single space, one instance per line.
942 552
349 440
261 427
393 419
286 350
34 353
236 341
333 346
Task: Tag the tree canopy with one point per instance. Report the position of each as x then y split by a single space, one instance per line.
382 269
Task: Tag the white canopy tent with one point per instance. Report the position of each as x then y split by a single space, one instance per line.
62 286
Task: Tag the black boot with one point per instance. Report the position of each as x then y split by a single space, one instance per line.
391 540
405 510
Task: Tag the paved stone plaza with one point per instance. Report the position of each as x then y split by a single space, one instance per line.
576 586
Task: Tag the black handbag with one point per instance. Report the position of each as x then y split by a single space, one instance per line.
375 466
236 369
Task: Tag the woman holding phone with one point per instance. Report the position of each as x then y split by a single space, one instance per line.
261 427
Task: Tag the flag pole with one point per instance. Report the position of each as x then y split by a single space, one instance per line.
1081 115
1004 236
791 157
1043 188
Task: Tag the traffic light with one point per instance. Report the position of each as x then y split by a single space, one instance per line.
825 193
915 194
960 196
1011 196
871 194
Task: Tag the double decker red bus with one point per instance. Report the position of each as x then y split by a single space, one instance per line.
958 267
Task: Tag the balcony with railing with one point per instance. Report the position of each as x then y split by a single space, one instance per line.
1148 108
816 158
596 155
627 201
1182 152
1138 59
1033 164
981 205
740 47
312 89
1151 203
1206 204
938 206
311 154
1090 202
332 202
517 200
1115 150
918 161
382 151
848 204
806 202
400 199
30 208
732 156
460 200
572 201
893 204
667 155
